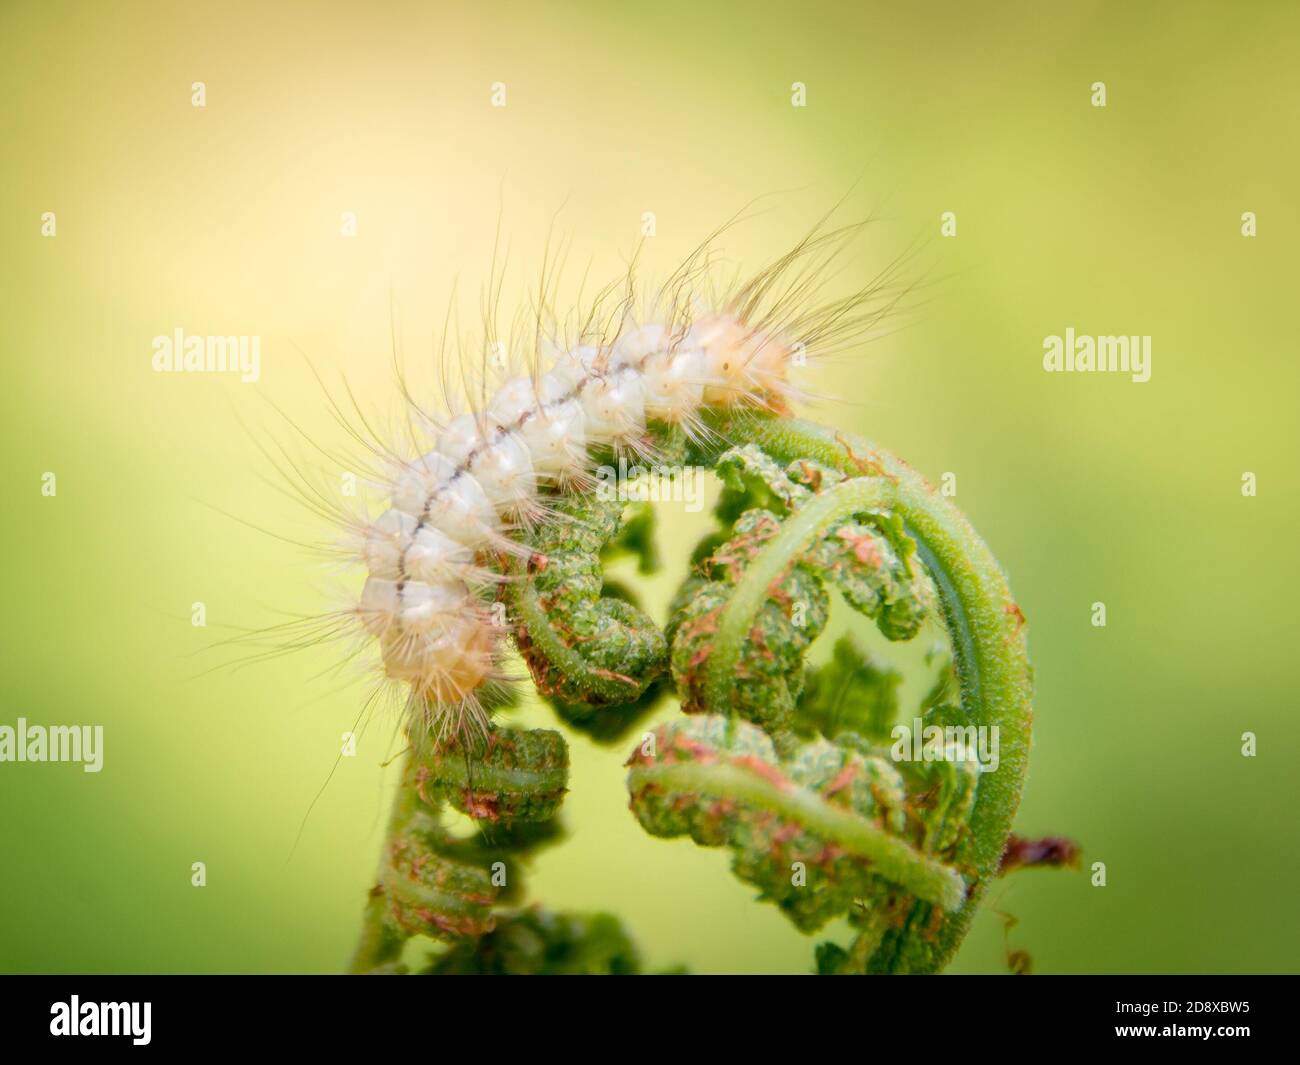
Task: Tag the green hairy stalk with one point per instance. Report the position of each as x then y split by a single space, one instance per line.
791 768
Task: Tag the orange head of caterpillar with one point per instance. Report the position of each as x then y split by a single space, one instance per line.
742 366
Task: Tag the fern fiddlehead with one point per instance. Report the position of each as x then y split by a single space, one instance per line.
986 631
444 887
585 649
768 761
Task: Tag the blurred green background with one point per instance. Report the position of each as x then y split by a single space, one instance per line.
226 220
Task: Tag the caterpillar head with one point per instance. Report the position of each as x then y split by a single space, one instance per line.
741 363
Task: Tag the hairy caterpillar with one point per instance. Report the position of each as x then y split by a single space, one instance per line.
637 373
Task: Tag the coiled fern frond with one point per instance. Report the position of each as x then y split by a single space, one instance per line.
790 768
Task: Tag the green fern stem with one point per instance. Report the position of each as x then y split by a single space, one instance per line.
985 625
434 884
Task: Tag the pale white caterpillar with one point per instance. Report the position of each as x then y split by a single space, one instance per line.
433 554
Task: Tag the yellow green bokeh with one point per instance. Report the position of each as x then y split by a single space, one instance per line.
226 220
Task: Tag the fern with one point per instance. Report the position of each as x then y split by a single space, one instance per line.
789 768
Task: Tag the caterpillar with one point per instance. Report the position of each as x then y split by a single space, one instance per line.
640 371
